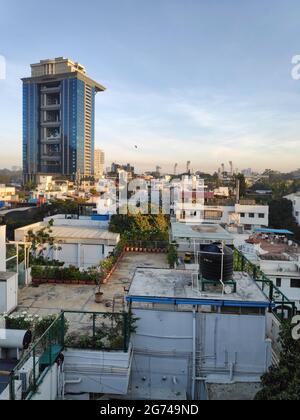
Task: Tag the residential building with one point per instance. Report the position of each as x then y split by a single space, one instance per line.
50 188
58 120
295 199
182 345
82 242
99 163
189 237
248 217
277 255
7 195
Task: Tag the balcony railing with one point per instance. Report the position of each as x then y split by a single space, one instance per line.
71 329
283 308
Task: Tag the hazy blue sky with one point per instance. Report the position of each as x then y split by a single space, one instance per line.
201 80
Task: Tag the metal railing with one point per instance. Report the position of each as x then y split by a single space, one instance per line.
37 360
105 331
71 329
282 307
147 244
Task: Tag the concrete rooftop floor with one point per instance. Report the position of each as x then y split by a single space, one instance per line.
50 299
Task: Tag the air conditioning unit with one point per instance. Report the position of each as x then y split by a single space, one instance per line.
26 373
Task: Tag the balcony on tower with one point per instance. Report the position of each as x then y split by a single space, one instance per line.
51 118
50 101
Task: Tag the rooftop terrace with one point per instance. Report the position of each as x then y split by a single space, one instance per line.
169 286
200 232
48 299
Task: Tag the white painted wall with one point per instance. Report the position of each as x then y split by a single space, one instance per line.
81 255
9 294
48 389
295 199
286 271
239 214
2 248
163 348
97 372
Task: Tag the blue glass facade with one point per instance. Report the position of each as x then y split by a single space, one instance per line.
69 136
30 128
73 119
93 128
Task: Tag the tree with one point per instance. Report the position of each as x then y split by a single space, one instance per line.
139 227
281 216
42 240
282 382
172 255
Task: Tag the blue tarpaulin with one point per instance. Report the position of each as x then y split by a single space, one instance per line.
275 231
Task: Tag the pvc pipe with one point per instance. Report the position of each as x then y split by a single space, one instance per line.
194 356
73 382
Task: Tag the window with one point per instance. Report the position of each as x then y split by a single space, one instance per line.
251 215
261 215
278 282
243 215
213 215
295 283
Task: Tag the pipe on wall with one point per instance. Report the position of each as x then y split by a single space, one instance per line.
194 356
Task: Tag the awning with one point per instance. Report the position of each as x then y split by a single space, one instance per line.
274 231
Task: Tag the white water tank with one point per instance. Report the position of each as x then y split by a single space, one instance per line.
15 339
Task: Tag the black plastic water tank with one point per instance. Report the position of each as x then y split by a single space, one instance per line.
211 263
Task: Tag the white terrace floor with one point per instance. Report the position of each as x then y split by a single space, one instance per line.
51 299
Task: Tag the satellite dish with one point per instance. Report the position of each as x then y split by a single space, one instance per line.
228 290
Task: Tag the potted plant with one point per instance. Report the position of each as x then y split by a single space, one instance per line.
98 279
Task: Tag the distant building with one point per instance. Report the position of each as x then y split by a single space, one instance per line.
58 120
99 163
295 199
115 167
7 195
278 256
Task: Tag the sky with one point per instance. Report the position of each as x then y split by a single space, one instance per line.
207 81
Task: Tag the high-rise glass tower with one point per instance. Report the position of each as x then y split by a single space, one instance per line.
59 120
99 163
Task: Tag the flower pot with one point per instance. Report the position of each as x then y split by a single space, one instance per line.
99 297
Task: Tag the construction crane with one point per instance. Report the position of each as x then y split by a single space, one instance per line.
175 168
188 165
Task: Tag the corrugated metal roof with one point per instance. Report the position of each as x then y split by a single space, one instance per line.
72 232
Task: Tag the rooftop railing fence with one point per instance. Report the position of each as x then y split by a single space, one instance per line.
71 329
280 305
